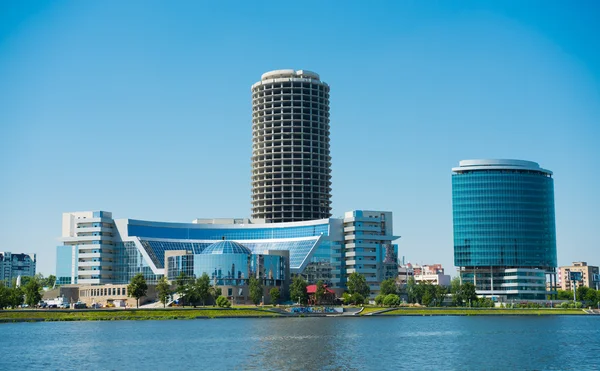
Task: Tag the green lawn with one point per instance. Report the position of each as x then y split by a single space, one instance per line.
129 314
479 312
367 310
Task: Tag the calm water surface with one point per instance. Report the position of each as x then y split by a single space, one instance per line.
379 343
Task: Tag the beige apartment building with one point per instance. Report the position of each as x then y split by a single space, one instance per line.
591 275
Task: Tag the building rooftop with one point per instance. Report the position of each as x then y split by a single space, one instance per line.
227 247
498 164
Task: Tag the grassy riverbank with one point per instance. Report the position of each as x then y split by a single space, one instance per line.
128 314
479 312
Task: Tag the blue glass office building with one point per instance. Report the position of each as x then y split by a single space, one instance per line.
504 227
98 249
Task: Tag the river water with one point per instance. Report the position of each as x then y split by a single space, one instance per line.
376 343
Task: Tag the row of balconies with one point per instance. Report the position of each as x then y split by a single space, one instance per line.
367 254
288 169
90 263
281 134
290 107
303 207
317 108
296 131
270 91
269 176
258 196
264 213
281 149
262 160
293 136
292 217
291 155
286 101
88 273
289 202
308 187
275 140
268 119
261 98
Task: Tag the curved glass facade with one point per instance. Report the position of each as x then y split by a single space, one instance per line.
503 217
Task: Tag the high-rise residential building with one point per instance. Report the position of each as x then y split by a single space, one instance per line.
504 228
291 162
88 253
368 248
590 276
13 265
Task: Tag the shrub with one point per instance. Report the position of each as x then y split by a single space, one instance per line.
223 302
391 300
379 299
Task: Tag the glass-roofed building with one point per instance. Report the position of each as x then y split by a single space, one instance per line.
98 249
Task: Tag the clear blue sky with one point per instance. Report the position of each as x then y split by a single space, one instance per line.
143 108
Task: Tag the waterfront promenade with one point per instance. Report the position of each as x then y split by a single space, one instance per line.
32 315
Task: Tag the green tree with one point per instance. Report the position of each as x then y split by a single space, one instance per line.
298 290
4 296
468 292
203 288
137 288
391 300
164 291
256 290
16 297
50 280
274 293
565 295
439 295
415 292
181 287
33 293
388 287
357 284
582 292
455 290
319 292
428 292
379 299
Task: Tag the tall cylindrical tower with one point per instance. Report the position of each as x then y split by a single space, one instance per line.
291 163
504 227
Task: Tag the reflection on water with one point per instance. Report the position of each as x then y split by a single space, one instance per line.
433 343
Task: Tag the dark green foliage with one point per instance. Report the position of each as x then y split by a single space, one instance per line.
16 297
388 287
319 292
298 290
164 291
4 296
202 288
414 291
355 298
137 288
275 294
565 295
379 299
181 287
462 294
256 290
357 284
33 293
